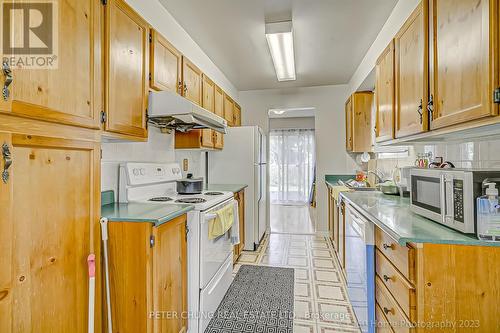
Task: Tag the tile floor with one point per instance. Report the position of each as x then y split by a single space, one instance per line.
292 219
321 302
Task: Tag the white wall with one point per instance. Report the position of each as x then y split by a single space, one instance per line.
328 102
293 122
399 14
160 19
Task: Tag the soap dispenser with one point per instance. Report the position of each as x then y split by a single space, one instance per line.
488 214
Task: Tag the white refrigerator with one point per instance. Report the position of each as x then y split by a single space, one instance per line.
243 161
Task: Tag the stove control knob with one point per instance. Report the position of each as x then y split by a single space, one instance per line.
143 171
135 172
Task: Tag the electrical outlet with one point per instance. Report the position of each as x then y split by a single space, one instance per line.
185 164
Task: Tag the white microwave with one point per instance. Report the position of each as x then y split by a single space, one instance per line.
448 196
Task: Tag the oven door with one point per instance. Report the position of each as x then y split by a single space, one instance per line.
213 252
427 194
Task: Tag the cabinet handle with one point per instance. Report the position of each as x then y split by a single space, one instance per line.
430 107
386 278
387 311
7 159
387 246
420 111
179 87
7 72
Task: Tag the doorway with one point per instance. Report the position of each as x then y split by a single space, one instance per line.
292 164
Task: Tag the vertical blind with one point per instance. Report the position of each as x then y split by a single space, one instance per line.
292 163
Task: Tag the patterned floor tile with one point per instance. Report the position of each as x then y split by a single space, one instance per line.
300 326
321 302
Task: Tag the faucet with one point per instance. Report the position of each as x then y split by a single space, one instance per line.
376 174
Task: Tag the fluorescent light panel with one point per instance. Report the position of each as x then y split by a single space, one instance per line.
280 41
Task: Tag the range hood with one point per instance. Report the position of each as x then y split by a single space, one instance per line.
171 111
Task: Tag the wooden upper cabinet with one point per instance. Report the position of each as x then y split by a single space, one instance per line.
208 89
229 109
165 64
411 81
48 230
219 110
191 81
70 92
361 113
461 73
348 124
127 75
384 87
236 115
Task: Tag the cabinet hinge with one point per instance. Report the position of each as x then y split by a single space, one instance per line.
104 2
496 96
150 37
150 76
151 241
187 231
103 117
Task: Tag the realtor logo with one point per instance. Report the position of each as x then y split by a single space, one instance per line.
29 34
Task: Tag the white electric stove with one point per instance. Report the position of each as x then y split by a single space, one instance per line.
209 261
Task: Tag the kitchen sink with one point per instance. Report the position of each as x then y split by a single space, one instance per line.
363 189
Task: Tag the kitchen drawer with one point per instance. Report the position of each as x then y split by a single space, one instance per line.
402 290
396 317
382 324
402 257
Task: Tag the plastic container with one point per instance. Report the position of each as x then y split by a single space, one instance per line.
488 215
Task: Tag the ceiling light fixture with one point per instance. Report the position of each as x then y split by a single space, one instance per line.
279 37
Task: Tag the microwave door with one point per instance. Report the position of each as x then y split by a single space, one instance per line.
427 196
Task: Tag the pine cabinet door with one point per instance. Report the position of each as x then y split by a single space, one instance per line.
130 271
48 227
170 275
219 110
165 64
127 76
361 110
68 88
229 110
208 89
384 87
237 115
411 54
192 81
348 124
461 74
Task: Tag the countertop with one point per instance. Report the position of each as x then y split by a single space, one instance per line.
392 214
235 188
156 213
331 180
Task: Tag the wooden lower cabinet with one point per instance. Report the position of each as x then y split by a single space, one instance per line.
49 224
148 276
431 285
240 198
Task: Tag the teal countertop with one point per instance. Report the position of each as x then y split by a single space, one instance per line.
235 188
332 179
392 214
156 213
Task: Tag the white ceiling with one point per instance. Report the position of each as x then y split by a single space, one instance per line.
330 36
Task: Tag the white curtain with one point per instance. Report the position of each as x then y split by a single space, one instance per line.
292 165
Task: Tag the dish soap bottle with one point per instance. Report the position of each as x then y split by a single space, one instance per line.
488 214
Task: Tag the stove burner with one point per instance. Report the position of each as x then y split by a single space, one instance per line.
191 200
161 199
213 193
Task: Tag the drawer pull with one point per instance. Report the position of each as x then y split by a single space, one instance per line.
388 246
387 311
387 278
